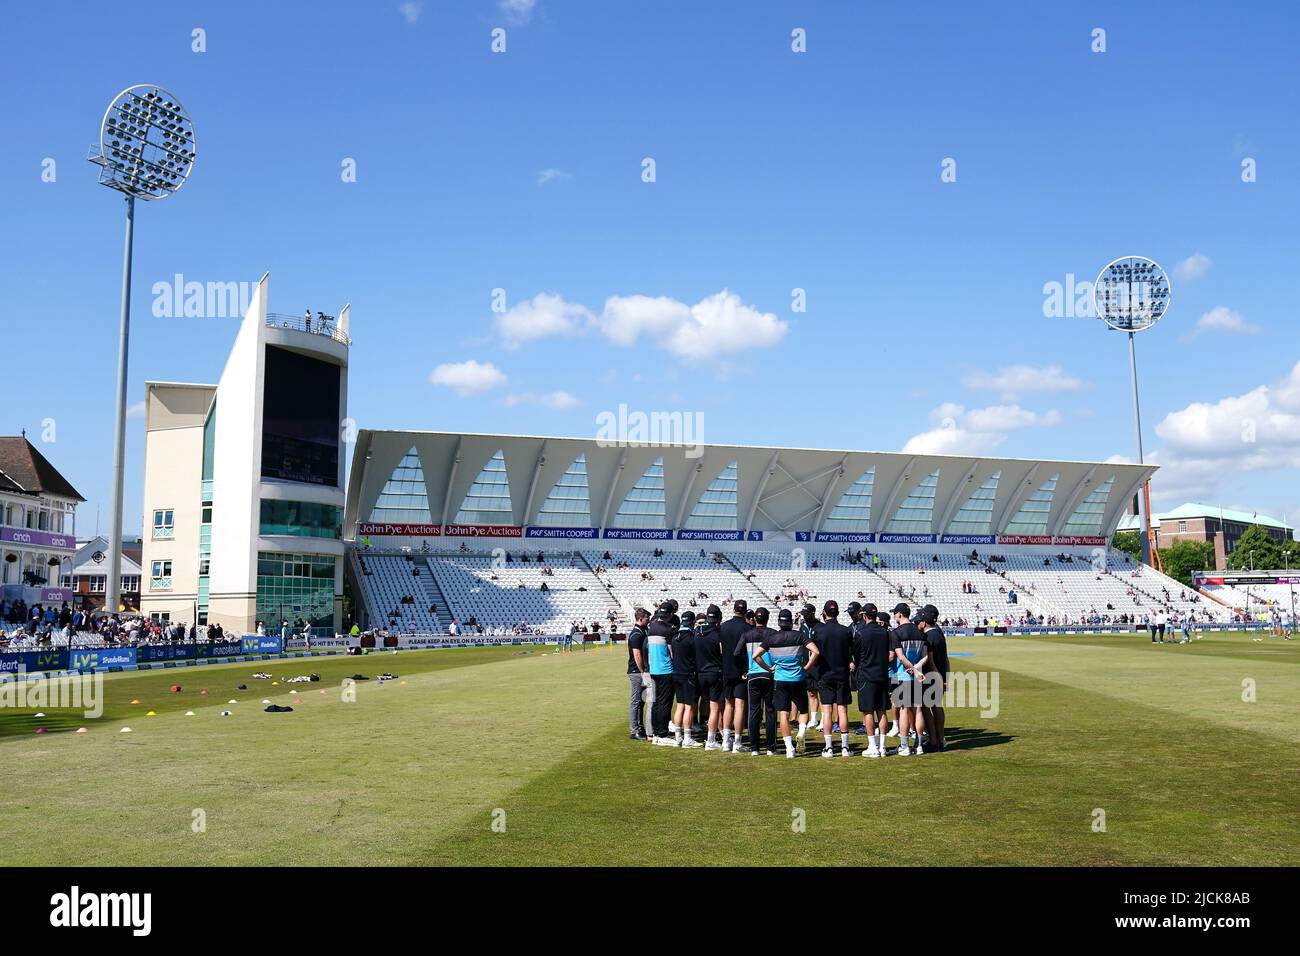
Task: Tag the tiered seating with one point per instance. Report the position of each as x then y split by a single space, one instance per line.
884 580
1051 589
503 595
387 580
683 575
1257 599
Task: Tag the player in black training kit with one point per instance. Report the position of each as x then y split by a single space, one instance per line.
758 683
638 673
684 686
833 643
734 690
936 676
708 670
871 669
808 621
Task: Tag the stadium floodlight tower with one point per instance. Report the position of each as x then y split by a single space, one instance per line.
145 151
1131 295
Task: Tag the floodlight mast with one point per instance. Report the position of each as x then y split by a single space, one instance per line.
146 151
1131 295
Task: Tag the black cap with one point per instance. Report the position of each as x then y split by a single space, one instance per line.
870 609
713 614
903 609
663 611
854 609
761 615
784 618
672 603
930 611
740 607
831 609
688 618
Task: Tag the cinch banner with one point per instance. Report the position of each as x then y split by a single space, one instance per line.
841 537
102 657
483 531
1024 539
640 534
907 539
688 535
252 644
43 538
534 532
401 530
968 539
33 661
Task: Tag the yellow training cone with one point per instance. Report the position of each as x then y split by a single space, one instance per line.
151 714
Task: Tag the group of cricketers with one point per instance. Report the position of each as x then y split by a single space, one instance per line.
736 679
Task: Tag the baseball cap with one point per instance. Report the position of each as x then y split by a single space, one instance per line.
740 607
784 618
688 618
713 614
854 609
870 609
761 615
663 611
832 608
903 609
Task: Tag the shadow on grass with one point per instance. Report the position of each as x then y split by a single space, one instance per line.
973 738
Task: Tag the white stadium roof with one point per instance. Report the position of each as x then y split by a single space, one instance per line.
422 484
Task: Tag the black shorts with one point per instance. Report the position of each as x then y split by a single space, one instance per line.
790 693
873 696
907 693
685 689
711 687
835 690
737 688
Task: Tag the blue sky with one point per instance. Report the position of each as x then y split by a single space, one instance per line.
775 170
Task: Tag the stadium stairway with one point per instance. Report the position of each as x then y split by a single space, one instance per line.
1038 605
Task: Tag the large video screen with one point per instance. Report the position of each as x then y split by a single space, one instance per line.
300 419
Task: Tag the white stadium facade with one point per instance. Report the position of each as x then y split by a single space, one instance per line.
253 514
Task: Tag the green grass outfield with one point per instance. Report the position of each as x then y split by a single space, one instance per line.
1159 738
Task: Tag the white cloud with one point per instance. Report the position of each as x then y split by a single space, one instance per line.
544 315
469 377
715 325
545 176
518 11
1207 442
1016 380
1193 267
1223 319
976 431
135 411
411 11
558 400
719 323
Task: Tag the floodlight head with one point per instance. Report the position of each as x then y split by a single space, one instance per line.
1131 294
146 143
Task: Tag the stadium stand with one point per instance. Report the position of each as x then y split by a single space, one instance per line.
499 594
587 587
398 594
695 578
